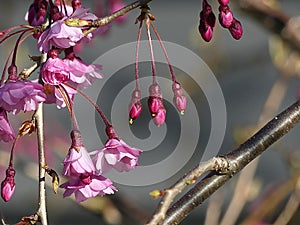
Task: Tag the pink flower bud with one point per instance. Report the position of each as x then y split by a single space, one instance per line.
179 98
76 4
135 111
207 16
154 104
135 106
8 184
180 103
160 117
225 16
205 31
236 29
223 2
155 99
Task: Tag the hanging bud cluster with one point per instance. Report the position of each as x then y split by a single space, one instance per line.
226 20
155 100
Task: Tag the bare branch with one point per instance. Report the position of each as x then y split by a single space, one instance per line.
39 120
274 19
238 159
216 164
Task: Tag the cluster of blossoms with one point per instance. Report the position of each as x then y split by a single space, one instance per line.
155 100
60 78
226 20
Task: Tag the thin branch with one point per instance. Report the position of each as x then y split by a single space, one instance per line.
238 159
39 120
245 178
107 19
274 19
42 211
215 164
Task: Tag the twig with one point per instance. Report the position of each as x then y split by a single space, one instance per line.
238 159
107 19
216 164
246 176
39 120
42 211
274 19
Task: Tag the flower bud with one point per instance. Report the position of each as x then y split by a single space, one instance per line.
135 111
155 99
225 16
76 4
154 104
236 29
8 185
223 2
160 117
205 31
135 106
179 98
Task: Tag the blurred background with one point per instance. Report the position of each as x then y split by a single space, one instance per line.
258 76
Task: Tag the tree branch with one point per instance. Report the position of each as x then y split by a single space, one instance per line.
107 19
216 164
238 159
42 211
274 19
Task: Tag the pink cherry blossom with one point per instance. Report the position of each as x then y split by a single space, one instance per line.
59 35
21 95
116 154
6 132
55 71
88 186
83 13
77 162
81 73
8 185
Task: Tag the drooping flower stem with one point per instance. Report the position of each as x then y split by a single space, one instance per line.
147 21
6 32
13 61
63 4
11 159
137 56
165 52
39 120
9 57
103 117
68 103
